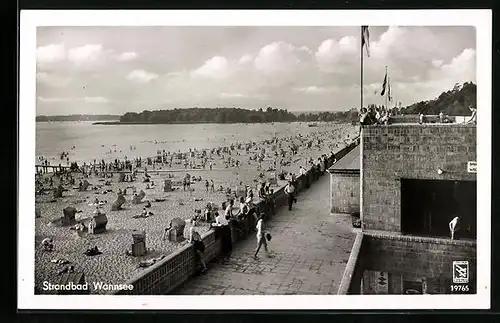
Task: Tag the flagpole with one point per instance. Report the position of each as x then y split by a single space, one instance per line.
361 69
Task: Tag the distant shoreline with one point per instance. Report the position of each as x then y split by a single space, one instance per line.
112 123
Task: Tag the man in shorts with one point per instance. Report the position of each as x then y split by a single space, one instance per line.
261 237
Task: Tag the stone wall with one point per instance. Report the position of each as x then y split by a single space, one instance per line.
353 272
409 258
391 153
172 271
345 192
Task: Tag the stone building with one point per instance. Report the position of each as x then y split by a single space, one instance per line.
413 180
344 183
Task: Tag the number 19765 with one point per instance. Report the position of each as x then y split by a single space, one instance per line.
459 288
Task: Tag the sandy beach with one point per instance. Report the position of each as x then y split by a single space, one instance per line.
114 265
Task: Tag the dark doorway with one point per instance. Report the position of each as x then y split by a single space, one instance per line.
427 207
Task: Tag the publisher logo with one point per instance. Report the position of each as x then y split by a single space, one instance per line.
460 272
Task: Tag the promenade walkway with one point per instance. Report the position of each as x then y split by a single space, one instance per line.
310 248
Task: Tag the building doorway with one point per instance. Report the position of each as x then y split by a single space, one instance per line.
427 206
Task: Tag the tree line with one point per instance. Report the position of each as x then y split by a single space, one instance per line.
232 115
77 117
454 102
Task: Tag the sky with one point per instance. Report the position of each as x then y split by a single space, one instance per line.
114 70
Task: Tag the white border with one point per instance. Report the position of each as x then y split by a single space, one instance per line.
30 19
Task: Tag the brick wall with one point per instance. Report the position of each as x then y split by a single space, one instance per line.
345 190
408 258
390 153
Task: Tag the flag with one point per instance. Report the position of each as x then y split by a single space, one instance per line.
389 97
384 85
365 40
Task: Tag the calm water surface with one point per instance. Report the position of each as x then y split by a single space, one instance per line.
114 141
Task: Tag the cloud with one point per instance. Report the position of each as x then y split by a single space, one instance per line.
277 57
52 80
437 62
86 54
52 100
231 95
296 69
331 53
127 56
96 99
462 67
215 68
314 90
245 59
141 76
50 54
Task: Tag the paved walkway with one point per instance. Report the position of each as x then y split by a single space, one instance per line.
310 248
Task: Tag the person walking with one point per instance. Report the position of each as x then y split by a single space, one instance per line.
261 237
289 191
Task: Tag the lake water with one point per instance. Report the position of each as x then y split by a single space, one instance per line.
114 141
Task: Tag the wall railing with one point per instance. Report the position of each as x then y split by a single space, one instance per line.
171 272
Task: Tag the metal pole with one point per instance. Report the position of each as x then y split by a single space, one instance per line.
361 69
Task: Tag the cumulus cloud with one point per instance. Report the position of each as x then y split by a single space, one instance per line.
86 54
215 68
310 66
331 52
127 56
462 66
245 59
50 54
277 56
141 76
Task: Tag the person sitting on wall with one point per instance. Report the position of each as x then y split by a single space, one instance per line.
228 211
363 114
224 231
333 157
234 219
199 247
454 226
262 191
473 116
243 209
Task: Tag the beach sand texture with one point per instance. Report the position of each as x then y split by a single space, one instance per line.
113 266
